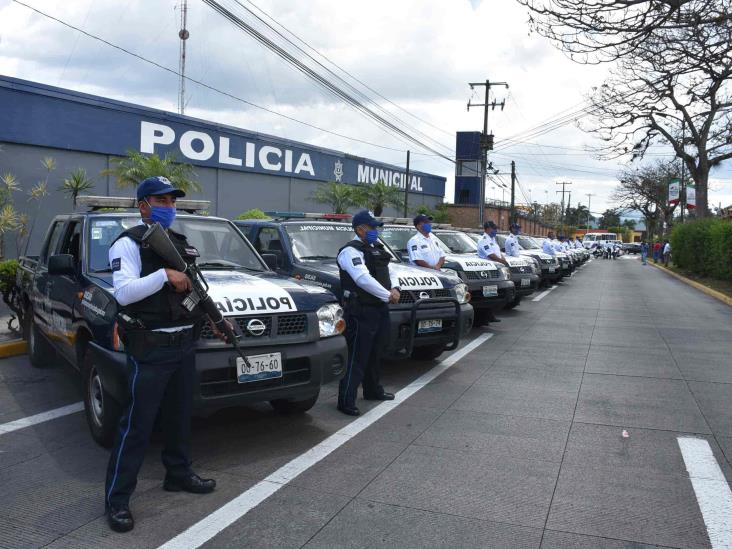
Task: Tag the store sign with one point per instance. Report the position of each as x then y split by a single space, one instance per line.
674 191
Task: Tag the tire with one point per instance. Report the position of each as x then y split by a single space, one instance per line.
427 352
40 352
515 303
101 410
287 406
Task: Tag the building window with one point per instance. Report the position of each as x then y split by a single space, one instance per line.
469 168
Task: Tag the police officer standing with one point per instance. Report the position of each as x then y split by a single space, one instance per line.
512 244
159 334
423 248
548 245
488 248
363 265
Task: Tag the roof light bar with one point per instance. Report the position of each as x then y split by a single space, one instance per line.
98 202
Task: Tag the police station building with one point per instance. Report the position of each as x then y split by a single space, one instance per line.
237 169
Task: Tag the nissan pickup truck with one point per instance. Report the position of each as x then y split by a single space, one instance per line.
489 282
290 332
433 313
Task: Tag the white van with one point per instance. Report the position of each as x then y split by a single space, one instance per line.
590 238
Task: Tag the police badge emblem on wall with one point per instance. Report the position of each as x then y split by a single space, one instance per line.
338 171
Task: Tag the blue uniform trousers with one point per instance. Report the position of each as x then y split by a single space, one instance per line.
367 333
162 381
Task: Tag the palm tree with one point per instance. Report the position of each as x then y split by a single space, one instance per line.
75 184
339 196
378 196
136 166
8 223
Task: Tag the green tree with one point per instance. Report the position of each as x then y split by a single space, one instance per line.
378 196
629 223
610 218
135 167
339 196
254 213
75 184
8 223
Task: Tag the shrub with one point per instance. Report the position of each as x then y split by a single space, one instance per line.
704 247
254 213
10 291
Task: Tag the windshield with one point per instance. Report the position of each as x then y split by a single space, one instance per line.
474 236
319 241
397 238
219 244
528 243
459 243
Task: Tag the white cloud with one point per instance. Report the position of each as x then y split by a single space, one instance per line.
418 53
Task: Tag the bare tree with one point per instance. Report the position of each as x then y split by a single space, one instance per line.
593 31
645 190
674 90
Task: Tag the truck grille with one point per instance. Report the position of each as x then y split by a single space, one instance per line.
274 325
549 261
524 270
482 275
223 381
410 296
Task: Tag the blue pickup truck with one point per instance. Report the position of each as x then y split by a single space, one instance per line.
290 332
434 311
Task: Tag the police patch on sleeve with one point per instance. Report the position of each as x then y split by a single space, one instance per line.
414 248
116 264
486 246
193 252
356 261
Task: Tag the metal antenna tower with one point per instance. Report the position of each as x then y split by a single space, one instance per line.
183 34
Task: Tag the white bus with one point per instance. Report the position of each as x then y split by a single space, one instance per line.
590 238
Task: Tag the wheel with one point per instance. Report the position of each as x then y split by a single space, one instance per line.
40 352
102 411
427 352
287 406
515 303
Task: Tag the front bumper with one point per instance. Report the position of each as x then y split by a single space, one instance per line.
506 294
403 333
305 367
521 289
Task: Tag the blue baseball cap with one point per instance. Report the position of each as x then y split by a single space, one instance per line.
490 225
364 217
421 218
157 185
515 226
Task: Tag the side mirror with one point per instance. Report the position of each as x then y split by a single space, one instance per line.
271 261
62 264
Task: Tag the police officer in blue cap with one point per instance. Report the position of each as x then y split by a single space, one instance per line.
512 244
363 264
159 334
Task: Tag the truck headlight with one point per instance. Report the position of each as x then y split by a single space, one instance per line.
461 293
506 272
330 320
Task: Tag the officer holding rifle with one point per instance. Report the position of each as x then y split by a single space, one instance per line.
363 264
159 325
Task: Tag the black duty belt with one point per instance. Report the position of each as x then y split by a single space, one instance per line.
168 339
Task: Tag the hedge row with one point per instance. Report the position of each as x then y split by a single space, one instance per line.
704 247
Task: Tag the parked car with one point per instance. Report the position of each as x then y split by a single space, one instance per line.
71 313
433 314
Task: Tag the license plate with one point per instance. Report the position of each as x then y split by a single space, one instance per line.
260 367
490 291
427 326
525 282
552 269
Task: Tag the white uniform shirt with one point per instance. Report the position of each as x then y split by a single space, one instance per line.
512 246
667 248
129 286
488 246
424 248
352 261
548 247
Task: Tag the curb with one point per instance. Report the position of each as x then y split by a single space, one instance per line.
13 347
701 287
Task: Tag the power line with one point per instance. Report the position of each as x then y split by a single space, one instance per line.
208 86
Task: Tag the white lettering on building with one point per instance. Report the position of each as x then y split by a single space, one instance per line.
369 174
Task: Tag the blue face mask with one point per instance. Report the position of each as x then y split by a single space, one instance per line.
162 215
372 236
493 233
427 227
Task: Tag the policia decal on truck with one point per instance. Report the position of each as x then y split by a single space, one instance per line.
72 314
433 312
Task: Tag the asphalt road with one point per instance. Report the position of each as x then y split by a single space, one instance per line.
518 443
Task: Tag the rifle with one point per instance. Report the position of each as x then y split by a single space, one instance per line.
157 239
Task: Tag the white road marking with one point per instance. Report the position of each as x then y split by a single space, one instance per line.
40 418
543 294
712 490
208 527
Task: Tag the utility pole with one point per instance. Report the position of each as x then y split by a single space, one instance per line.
486 141
512 217
183 34
589 209
563 191
406 187
682 191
